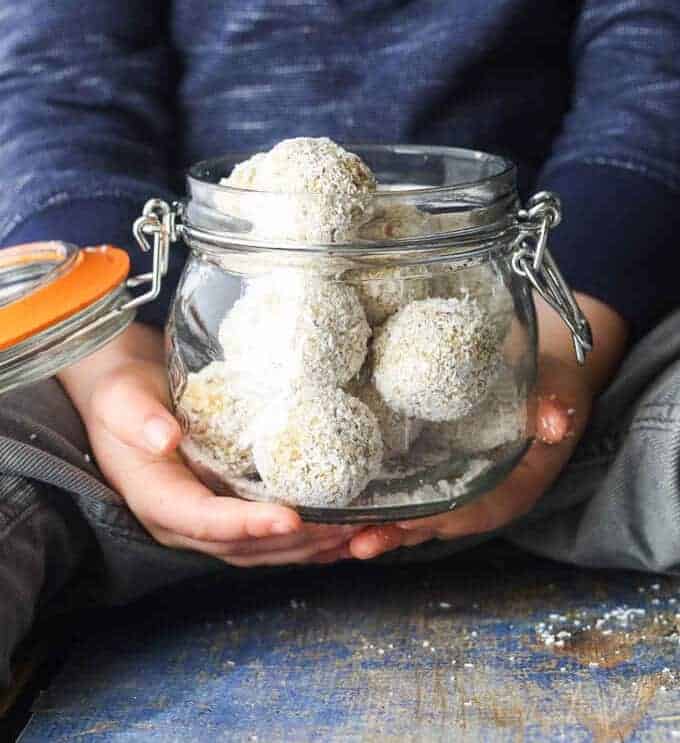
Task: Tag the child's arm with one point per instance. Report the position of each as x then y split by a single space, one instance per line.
616 160
121 394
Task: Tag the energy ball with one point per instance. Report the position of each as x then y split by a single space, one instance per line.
481 282
383 291
398 432
292 328
323 192
318 447
215 414
436 358
501 418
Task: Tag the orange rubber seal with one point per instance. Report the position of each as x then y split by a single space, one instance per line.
96 272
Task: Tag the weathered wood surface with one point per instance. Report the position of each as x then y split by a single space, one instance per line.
450 651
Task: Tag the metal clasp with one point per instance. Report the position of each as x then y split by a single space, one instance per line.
158 221
532 260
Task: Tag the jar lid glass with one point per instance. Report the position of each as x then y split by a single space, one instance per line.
25 268
58 303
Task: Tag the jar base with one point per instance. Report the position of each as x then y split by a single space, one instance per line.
392 498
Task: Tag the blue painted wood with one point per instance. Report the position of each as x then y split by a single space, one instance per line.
449 651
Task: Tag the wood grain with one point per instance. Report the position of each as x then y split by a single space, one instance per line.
447 651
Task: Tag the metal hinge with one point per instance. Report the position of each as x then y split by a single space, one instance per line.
532 260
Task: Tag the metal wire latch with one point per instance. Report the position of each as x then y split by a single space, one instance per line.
532 260
158 221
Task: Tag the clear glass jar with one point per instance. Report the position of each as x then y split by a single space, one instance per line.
384 378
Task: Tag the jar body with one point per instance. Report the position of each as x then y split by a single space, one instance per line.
358 388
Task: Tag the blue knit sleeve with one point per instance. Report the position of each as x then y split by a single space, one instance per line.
616 162
85 120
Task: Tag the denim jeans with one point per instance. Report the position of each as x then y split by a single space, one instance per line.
68 540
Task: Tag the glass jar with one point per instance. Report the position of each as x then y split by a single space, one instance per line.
384 378
387 376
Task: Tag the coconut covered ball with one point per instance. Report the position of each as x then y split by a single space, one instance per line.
383 291
481 282
436 358
501 418
318 447
324 193
215 414
292 328
398 432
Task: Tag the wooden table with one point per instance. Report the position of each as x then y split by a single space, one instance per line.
465 649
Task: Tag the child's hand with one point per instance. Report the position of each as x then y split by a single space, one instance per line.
563 397
121 394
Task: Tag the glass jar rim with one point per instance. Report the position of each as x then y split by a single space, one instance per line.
506 172
444 193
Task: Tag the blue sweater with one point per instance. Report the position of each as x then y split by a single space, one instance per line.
103 104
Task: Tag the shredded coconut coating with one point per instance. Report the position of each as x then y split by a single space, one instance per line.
383 291
215 414
436 358
479 281
318 447
325 193
500 419
398 432
292 328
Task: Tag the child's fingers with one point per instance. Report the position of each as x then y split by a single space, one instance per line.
178 503
130 404
267 550
253 545
333 555
293 557
316 538
375 541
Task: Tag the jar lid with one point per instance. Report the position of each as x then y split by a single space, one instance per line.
58 303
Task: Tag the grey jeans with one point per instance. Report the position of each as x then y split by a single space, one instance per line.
67 540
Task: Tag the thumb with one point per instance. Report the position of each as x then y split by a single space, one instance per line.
554 420
558 401
131 403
